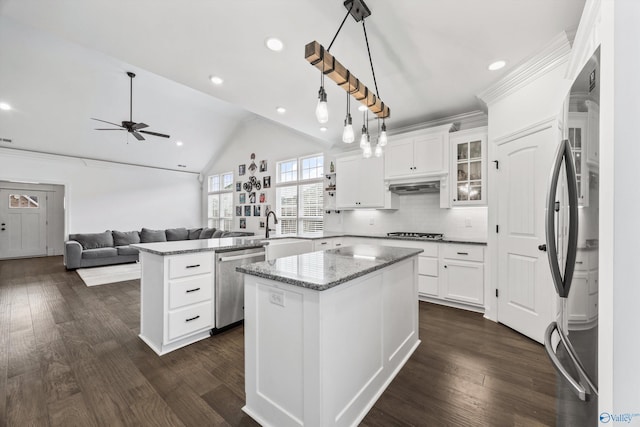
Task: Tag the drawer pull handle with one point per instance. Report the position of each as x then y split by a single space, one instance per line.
193 266
463 253
193 318
193 290
323 243
579 262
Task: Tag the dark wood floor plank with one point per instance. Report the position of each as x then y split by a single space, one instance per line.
71 355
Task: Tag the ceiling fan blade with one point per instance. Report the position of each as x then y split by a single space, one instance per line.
162 135
107 129
139 126
104 121
138 136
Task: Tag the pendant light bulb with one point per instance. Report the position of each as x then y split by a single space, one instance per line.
363 138
382 139
322 111
347 134
366 152
378 150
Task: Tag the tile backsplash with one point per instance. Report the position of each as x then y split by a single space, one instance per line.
419 212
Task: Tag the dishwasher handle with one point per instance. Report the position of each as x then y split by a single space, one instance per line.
245 256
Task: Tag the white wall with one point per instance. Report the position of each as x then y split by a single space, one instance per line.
109 196
269 141
419 212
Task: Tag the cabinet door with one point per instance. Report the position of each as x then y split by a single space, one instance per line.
429 155
468 171
578 301
577 133
370 179
399 159
463 281
347 182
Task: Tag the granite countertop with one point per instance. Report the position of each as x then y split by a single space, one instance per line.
189 246
330 234
325 269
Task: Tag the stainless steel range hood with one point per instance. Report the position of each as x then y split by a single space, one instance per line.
416 187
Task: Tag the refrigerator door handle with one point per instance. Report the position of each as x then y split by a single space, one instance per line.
577 388
576 361
563 154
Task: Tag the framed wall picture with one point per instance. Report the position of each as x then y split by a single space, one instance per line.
256 210
263 165
238 186
238 210
263 197
252 197
242 198
261 224
247 210
242 169
243 223
266 181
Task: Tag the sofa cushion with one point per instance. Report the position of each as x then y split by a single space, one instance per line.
93 240
123 238
174 234
127 250
217 234
99 253
150 236
194 233
206 233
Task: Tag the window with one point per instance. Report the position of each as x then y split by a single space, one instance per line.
299 195
17 201
220 201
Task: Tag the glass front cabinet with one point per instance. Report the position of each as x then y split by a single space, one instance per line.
469 167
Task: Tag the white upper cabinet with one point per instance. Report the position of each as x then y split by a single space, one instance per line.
417 154
469 167
359 182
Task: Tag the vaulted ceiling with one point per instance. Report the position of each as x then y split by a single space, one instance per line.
63 62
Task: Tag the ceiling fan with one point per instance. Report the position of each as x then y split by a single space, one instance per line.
131 126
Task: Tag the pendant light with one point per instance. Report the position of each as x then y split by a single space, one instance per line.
364 139
347 134
322 111
382 139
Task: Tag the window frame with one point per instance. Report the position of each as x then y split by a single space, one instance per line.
221 221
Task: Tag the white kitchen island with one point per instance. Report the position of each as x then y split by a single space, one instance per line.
326 332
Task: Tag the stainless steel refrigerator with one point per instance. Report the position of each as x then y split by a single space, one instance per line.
572 247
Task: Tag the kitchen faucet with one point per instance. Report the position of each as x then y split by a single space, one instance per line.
275 221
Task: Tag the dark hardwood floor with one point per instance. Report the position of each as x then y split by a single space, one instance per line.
70 356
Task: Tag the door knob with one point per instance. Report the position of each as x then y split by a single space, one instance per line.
543 247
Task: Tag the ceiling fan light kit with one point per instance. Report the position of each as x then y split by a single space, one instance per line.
129 125
329 66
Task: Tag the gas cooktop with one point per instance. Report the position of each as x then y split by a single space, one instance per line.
425 236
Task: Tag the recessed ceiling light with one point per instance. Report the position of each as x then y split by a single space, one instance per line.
216 80
179 143
497 65
362 108
274 44
323 129
281 110
4 106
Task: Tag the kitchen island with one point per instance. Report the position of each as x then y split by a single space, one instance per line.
326 332
179 300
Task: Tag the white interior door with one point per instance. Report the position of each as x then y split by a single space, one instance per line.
23 223
526 299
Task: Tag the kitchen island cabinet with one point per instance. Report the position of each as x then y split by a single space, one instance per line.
326 332
177 292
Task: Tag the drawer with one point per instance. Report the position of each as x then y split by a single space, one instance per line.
582 260
427 266
428 285
321 245
190 265
190 291
338 243
463 252
190 319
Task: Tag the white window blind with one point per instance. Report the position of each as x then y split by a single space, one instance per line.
220 201
287 209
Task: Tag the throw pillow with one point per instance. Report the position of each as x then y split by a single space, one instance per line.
124 238
206 233
150 236
194 233
217 234
174 234
93 240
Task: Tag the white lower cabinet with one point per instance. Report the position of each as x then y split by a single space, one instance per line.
582 303
177 299
462 273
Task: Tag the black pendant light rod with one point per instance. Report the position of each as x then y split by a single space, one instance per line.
340 28
131 76
375 83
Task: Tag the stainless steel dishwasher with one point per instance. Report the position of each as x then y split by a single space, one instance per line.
229 291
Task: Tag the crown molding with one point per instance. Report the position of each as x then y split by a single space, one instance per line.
468 120
555 54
